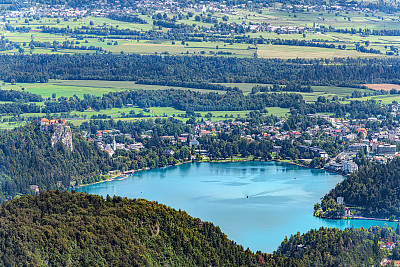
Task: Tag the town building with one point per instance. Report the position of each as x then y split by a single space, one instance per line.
349 167
317 152
386 149
357 147
194 142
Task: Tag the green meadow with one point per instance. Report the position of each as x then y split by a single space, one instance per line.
276 16
69 88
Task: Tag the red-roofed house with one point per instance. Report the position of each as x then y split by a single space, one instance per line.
44 121
204 132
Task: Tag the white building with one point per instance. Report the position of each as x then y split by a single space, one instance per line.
349 167
194 142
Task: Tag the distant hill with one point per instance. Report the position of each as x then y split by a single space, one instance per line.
69 229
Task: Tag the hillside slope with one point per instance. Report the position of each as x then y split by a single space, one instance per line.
374 189
27 157
76 229
70 229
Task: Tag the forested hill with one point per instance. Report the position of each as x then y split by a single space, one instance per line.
40 68
27 158
374 187
70 229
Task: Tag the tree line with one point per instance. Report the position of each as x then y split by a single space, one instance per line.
190 101
41 68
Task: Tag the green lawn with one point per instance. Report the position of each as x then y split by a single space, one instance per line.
70 88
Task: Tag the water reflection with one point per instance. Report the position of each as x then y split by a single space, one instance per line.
256 204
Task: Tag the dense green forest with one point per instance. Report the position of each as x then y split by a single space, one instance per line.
374 188
69 229
334 247
40 68
27 157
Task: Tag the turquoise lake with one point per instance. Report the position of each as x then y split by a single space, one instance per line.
256 203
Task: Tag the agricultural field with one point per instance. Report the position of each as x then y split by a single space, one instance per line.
383 86
331 91
126 113
78 88
384 99
276 16
11 125
69 88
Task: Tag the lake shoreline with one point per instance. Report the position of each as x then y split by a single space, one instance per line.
250 201
237 195
121 177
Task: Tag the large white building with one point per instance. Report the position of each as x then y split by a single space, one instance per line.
349 167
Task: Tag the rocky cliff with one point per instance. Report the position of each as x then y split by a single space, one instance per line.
62 133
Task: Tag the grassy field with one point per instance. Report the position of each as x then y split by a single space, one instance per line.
276 16
330 91
63 88
168 112
69 88
326 91
237 50
74 87
384 99
11 125
77 118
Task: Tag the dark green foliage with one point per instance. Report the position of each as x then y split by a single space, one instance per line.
28 158
333 247
61 229
66 228
182 100
160 126
12 95
127 18
375 188
34 68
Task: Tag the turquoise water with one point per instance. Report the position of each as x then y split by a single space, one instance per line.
256 204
